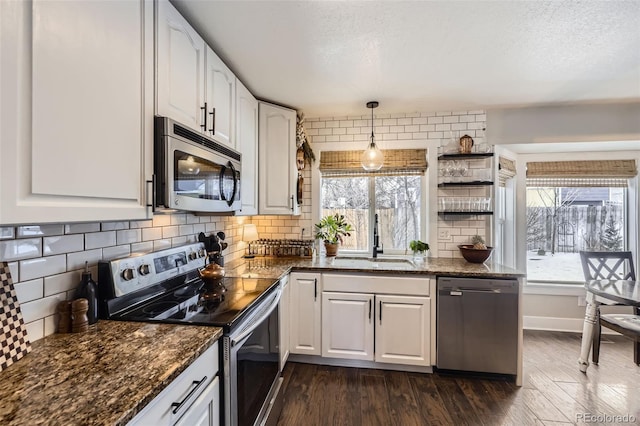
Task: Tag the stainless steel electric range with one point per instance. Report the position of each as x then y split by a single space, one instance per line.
165 286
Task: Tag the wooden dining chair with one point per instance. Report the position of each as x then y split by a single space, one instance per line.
602 265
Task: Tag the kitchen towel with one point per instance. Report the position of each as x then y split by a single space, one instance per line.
14 343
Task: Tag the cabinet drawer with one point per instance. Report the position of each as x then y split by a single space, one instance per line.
376 284
183 389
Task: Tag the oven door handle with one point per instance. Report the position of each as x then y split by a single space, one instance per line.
258 321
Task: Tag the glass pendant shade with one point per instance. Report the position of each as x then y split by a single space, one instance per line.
372 158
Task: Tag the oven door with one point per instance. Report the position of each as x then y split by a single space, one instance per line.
198 179
251 365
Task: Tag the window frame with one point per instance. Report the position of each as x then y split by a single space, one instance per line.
371 186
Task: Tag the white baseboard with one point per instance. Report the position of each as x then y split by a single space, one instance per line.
557 324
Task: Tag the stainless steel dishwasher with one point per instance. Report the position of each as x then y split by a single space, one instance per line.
477 325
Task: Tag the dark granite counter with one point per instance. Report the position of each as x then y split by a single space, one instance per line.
102 377
270 267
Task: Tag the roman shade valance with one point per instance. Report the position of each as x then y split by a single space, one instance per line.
594 173
396 162
506 170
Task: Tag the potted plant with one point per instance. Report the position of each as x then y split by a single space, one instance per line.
419 250
331 229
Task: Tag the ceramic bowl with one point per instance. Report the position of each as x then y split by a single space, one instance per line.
474 255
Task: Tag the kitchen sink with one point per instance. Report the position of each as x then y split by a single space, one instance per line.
369 262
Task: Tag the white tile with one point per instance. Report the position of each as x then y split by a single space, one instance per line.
93 240
62 244
81 228
61 283
178 219
178 241
211 227
38 309
161 244
149 234
170 231
20 249
7 232
129 236
186 229
42 267
191 219
191 239
39 230
116 252
77 260
15 271
35 330
145 247
161 220
29 290
135 224
435 120
199 228
50 325
114 226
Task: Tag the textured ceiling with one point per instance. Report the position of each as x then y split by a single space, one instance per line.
328 58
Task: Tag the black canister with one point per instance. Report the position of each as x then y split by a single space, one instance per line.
89 290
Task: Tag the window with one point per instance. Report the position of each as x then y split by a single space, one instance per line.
396 199
562 220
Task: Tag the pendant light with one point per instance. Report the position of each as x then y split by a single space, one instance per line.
372 158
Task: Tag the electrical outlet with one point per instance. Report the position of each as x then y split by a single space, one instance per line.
444 234
582 301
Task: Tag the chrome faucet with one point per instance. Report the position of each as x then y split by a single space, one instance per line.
376 239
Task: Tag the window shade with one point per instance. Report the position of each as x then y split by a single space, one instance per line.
595 173
396 162
625 169
506 170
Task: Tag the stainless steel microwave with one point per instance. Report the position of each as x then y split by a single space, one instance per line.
192 171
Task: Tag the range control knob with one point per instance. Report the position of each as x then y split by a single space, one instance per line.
202 253
127 274
144 269
193 255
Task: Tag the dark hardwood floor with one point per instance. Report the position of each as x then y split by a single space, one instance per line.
554 391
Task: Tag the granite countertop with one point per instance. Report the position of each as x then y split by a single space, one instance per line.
101 377
272 267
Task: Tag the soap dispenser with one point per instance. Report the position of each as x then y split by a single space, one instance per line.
89 290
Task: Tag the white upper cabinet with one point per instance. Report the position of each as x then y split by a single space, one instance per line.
277 147
181 68
195 87
247 144
76 115
220 100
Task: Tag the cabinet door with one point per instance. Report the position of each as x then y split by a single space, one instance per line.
402 330
277 147
306 302
220 96
347 325
285 318
247 144
205 410
180 65
76 116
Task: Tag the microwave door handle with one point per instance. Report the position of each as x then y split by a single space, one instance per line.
235 184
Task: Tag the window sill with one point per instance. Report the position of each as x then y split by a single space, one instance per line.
553 289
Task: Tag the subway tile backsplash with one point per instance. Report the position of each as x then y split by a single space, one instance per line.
46 261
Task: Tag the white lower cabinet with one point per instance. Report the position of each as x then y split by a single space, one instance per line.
403 330
347 325
284 320
193 398
360 322
306 301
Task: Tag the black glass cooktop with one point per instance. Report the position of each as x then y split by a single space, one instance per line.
197 303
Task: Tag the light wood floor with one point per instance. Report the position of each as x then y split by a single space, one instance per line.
554 391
